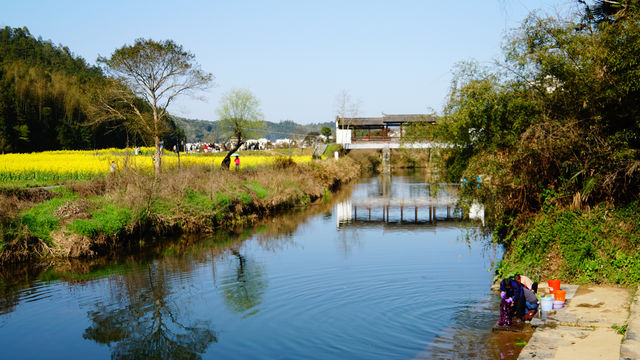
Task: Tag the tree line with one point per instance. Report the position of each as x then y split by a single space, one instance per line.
558 120
47 98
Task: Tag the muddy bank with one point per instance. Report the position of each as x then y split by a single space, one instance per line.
118 213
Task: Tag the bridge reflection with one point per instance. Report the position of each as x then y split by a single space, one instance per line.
396 212
402 212
395 202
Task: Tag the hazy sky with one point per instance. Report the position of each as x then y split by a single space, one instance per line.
396 56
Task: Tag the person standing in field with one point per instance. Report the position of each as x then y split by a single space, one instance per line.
237 161
113 168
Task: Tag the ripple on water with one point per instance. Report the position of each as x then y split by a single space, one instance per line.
364 305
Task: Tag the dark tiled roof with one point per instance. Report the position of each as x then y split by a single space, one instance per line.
362 121
406 118
386 119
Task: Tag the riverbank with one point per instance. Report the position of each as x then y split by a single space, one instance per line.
598 322
85 219
598 245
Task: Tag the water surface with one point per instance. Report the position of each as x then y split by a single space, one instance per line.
327 282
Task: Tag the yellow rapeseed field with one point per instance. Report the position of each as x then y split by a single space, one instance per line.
86 164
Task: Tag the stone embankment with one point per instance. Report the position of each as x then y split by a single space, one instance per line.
591 326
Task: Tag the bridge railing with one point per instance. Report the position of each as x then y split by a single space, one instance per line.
374 139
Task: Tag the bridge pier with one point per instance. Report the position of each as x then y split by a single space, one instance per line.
386 160
386 213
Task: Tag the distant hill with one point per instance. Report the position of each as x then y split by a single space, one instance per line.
209 131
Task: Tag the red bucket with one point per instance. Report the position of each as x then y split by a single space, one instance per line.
553 285
559 295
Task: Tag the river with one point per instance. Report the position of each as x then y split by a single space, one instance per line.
332 281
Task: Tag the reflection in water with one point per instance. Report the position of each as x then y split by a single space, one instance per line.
13 280
408 203
242 291
274 234
294 286
146 325
470 337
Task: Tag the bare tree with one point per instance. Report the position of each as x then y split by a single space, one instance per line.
346 107
151 75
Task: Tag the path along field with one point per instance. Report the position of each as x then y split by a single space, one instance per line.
54 166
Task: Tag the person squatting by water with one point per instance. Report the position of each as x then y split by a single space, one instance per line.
517 299
506 300
237 161
531 301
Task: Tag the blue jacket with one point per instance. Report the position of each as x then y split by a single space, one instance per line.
518 290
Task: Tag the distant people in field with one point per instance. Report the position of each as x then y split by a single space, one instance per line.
237 161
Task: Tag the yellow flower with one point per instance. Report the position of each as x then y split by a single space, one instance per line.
86 164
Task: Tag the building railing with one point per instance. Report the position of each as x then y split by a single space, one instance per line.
375 138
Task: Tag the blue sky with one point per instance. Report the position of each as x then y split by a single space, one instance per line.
296 56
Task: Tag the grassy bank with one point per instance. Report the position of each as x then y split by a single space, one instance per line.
93 217
597 245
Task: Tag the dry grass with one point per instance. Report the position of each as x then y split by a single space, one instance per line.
195 199
133 189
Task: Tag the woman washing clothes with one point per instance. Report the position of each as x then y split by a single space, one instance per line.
513 301
506 301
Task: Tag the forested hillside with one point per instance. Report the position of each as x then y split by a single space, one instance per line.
45 94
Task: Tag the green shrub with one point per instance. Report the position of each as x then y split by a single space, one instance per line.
223 200
597 246
200 202
245 198
326 196
41 220
260 191
110 220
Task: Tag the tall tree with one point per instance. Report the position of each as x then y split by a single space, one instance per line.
240 118
157 73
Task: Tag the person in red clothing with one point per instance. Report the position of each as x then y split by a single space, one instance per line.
237 161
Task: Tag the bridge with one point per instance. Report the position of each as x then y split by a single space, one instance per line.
385 132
